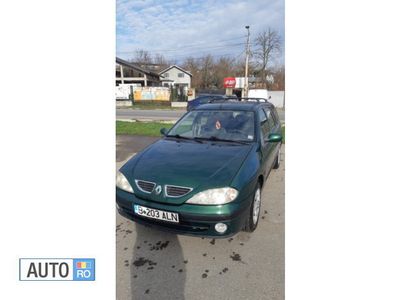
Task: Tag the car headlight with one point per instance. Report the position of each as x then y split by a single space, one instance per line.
123 183
214 196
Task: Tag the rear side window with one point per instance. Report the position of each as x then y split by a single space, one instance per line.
270 118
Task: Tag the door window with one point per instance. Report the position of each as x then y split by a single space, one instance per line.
270 118
264 124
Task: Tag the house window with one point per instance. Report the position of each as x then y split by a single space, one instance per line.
181 75
166 75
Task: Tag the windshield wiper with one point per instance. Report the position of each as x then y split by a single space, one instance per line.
214 138
178 136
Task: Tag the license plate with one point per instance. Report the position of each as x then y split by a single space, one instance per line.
156 214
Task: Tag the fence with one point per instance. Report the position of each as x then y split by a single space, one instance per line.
139 93
151 94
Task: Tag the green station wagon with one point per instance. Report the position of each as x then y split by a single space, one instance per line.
205 176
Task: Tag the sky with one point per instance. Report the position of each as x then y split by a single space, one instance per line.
181 28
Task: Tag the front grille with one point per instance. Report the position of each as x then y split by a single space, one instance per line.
176 191
145 186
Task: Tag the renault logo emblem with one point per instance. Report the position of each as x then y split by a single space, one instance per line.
158 189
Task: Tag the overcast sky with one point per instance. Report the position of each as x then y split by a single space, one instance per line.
182 28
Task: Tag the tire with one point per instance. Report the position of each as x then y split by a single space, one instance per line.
254 213
277 162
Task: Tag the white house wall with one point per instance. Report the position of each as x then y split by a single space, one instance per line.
173 75
277 98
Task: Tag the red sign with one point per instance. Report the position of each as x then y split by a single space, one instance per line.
229 82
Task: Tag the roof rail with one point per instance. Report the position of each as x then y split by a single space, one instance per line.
240 99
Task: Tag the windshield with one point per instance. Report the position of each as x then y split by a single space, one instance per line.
223 125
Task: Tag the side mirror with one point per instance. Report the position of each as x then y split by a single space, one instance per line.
164 131
274 138
269 97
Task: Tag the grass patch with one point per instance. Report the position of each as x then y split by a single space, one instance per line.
140 128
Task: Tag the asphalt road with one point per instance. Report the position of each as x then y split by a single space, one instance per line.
161 114
151 114
153 264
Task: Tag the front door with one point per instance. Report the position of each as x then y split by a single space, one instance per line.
267 148
274 127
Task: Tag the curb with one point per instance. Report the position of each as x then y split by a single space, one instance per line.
147 120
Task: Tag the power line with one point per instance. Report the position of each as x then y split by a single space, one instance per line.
197 51
214 51
201 44
197 45
214 56
204 50
203 47
199 55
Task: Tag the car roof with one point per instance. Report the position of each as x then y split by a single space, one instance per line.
210 95
234 105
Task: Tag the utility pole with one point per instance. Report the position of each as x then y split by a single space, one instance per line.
246 71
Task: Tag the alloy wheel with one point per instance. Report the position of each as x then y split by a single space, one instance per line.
256 205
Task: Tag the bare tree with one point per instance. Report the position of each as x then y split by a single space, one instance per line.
160 60
239 68
224 67
268 44
142 57
193 66
278 73
207 71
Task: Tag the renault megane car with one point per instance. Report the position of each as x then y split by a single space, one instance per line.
205 176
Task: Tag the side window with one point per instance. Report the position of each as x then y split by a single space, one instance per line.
263 123
270 118
276 116
262 116
185 127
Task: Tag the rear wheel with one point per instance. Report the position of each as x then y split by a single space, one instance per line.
254 214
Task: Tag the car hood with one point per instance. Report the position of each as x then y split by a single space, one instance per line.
190 164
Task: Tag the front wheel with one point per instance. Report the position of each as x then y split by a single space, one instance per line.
254 215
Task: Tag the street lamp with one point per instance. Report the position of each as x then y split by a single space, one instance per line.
246 71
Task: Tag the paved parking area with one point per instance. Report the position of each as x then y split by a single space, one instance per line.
153 264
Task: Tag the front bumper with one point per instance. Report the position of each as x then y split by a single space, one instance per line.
197 220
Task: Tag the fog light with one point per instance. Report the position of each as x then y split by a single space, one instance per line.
221 227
